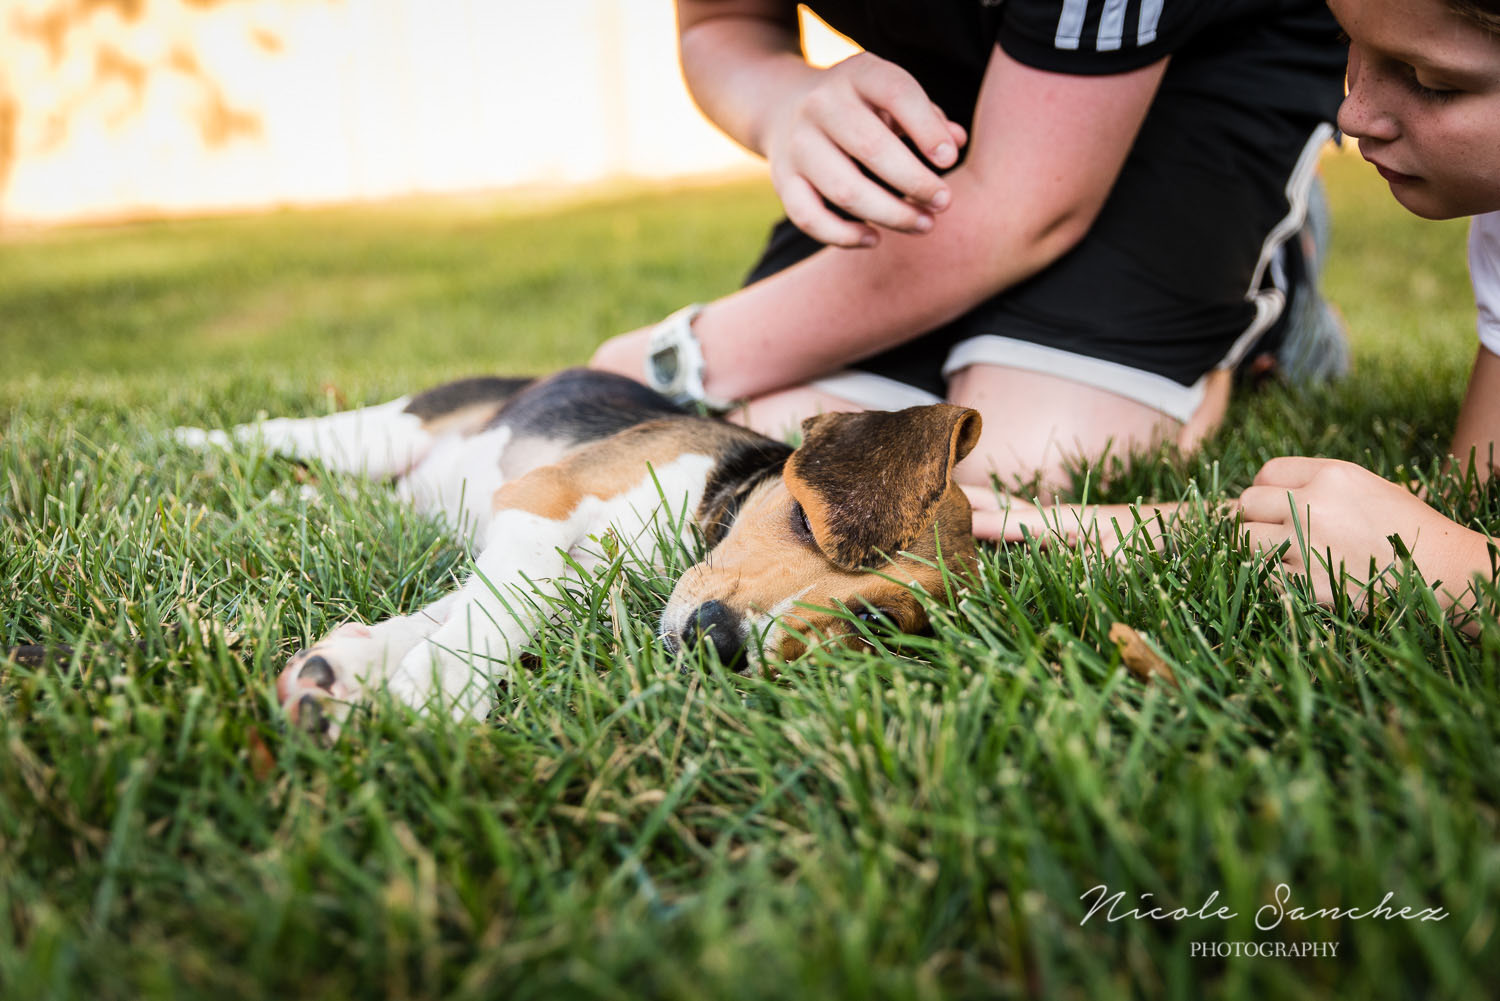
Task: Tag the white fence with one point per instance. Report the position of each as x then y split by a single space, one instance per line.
112 108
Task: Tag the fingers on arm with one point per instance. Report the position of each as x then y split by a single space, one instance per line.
804 207
956 132
827 158
865 137
858 117
890 89
824 161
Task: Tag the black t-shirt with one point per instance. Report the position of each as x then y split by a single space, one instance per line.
1270 53
1160 282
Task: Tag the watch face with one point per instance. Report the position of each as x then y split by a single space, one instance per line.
664 365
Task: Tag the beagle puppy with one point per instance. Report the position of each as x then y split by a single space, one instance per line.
862 512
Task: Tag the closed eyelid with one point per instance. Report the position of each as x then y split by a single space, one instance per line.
1419 81
1426 84
1441 76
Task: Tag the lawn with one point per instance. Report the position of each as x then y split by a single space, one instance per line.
923 820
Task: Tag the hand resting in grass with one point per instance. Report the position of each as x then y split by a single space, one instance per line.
1339 513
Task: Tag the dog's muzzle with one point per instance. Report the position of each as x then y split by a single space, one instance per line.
713 623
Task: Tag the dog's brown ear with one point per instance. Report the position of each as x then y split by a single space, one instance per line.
870 482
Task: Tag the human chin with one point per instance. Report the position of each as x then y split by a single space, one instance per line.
1422 197
1439 202
1410 193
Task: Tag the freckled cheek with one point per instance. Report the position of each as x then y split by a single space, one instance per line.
1460 163
1478 147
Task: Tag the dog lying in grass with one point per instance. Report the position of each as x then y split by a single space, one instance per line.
799 541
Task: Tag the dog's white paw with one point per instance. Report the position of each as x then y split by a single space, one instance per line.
201 439
320 685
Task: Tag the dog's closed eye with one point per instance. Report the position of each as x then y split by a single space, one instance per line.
800 527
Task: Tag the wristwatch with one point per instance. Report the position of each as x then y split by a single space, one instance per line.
674 360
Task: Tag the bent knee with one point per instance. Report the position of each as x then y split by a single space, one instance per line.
1039 430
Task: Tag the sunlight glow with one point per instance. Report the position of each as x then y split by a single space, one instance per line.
121 108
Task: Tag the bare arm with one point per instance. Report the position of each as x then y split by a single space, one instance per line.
1007 518
1478 427
1321 507
1046 150
740 58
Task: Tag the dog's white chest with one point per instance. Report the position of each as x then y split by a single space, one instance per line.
457 479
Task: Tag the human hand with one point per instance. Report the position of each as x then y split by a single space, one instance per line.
1000 517
1114 527
1343 514
857 112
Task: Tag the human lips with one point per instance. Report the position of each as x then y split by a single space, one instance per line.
1392 176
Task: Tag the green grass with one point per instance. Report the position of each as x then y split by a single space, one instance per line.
915 822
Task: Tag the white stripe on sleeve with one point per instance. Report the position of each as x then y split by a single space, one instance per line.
1150 15
1111 25
1070 24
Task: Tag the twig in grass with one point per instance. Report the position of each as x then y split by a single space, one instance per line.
41 654
1142 661
37 655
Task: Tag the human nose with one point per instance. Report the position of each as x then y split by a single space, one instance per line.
1365 112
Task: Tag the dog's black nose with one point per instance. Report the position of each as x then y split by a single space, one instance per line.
713 622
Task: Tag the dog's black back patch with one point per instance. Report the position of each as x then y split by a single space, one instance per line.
461 394
579 405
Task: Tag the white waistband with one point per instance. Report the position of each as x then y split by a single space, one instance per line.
874 392
1155 391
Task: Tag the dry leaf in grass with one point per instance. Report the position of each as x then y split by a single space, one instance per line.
331 391
262 761
1142 661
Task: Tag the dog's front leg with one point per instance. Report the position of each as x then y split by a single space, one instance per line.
501 605
322 683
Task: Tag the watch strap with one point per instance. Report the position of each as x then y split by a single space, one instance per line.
674 339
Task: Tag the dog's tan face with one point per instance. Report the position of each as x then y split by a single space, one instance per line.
864 511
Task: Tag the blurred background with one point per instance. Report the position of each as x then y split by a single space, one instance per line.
376 194
129 109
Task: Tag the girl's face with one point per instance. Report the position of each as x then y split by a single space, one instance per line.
1424 103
